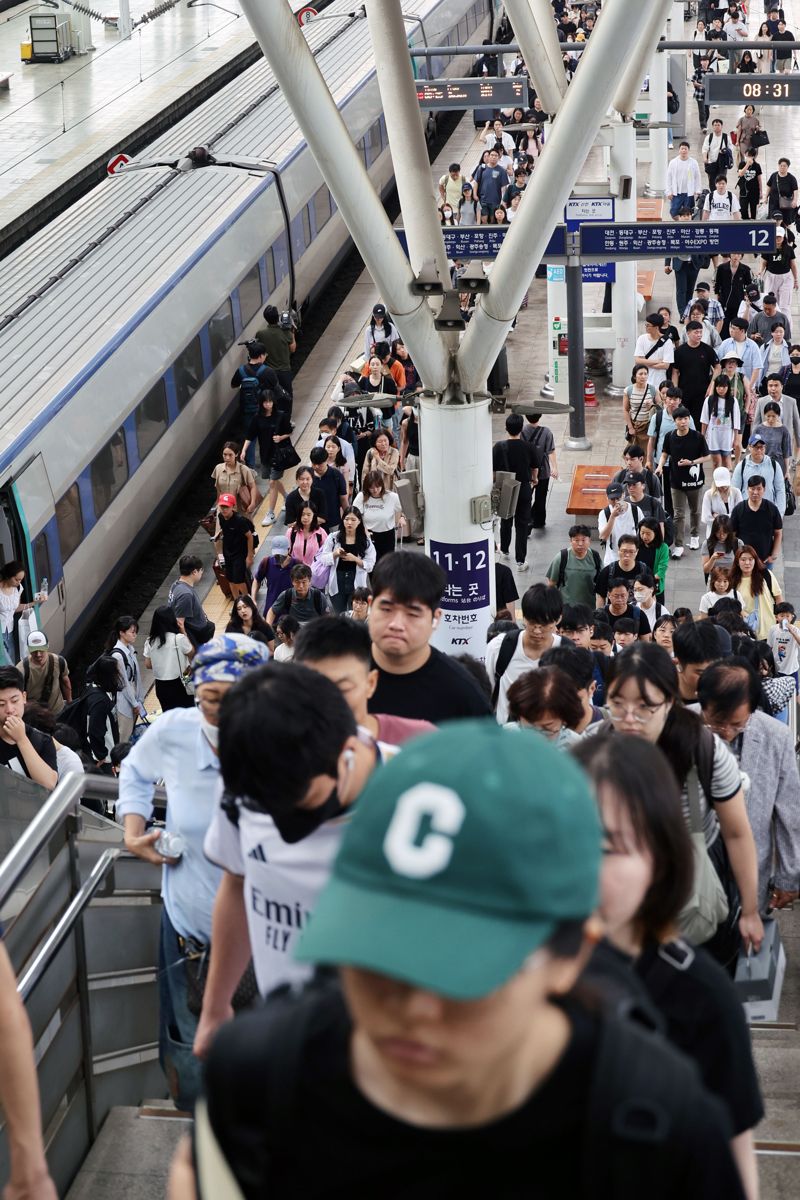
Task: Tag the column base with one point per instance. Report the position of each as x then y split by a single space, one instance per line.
547 390
650 190
577 443
615 390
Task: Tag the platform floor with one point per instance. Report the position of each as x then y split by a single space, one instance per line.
57 117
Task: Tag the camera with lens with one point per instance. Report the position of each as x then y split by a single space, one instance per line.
287 320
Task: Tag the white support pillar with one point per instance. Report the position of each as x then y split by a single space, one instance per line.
541 52
635 69
574 131
406 137
124 27
286 50
624 315
659 138
463 547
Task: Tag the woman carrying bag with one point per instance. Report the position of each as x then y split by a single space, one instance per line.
274 432
637 403
167 652
349 556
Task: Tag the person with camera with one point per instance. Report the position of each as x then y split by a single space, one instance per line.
279 342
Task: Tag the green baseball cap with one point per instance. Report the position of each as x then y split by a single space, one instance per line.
464 854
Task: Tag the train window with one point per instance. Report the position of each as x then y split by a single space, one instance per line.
70 522
151 419
372 139
41 558
109 472
306 227
250 295
270 258
221 332
188 372
322 207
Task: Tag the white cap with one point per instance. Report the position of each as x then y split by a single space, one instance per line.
722 477
37 640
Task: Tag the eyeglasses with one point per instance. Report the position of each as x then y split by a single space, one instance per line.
725 729
641 713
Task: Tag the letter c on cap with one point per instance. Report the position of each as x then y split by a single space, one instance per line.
430 856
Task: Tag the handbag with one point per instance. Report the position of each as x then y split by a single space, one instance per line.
707 906
185 676
760 138
320 572
285 457
195 961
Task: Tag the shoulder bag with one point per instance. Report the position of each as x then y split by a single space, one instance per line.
285 457
707 906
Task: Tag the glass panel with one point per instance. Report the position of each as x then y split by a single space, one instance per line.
250 295
220 332
41 559
306 227
188 372
270 271
151 419
70 522
109 472
322 207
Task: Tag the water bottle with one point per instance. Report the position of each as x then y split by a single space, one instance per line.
169 845
43 590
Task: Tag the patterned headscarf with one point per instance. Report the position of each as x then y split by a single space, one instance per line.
226 658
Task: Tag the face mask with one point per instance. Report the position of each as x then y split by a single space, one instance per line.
299 823
448 212
211 732
794 359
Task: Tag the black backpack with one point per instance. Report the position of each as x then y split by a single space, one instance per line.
504 657
562 568
76 716
316 600
250 391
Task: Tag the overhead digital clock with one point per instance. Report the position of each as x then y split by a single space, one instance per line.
752 89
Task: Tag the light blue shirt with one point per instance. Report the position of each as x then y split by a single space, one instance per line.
748 351
775 489
175 749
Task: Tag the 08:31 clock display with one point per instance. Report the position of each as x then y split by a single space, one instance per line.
753 89
756 90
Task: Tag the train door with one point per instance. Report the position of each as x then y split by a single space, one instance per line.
31 505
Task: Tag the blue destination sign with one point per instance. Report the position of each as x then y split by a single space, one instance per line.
484 241
659 239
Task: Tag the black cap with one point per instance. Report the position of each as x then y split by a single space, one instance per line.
379 310
614 491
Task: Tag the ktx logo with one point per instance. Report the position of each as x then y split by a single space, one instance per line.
459 641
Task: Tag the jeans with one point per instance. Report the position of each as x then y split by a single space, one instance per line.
176 1025
680 200
693 499
8 643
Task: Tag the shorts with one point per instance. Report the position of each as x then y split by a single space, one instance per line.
271 473
236 568
487 210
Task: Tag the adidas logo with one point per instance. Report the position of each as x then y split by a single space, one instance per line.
258 853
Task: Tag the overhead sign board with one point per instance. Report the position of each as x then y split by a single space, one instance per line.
484 241
752 89
483 92
591 208
659 239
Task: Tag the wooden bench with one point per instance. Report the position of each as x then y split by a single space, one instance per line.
587 493
5 80
645 284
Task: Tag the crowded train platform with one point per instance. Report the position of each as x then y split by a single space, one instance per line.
404 840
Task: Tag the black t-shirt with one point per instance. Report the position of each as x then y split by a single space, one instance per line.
692 446
748 180
441 690
42 743
315 1135
616 572
757 529
518 456
294 502
786 36
779 263
332 486
781 185
412 433
695 364
605 616
505 587
234 535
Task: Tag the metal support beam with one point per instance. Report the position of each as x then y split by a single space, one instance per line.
577 439
659 138
296 71
572 136
541 52
630 83
407 139
576 48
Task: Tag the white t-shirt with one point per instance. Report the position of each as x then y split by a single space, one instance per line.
721 207
519 665
380 512
170 659
721 428
665 353
624 523
282 881
709 599
784 650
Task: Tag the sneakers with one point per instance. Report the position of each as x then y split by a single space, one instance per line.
677 551
269 519
694 543
522 566
504 555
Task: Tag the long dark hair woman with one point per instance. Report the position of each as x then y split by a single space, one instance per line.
245 618
646 878
350 555
720 421
306 539
757 588
121 646
167 652
102 729
644 700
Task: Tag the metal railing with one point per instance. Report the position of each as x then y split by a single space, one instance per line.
83 939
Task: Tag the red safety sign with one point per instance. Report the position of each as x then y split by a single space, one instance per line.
117 162
304 15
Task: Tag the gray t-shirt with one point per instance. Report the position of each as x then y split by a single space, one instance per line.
184 603
315 604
